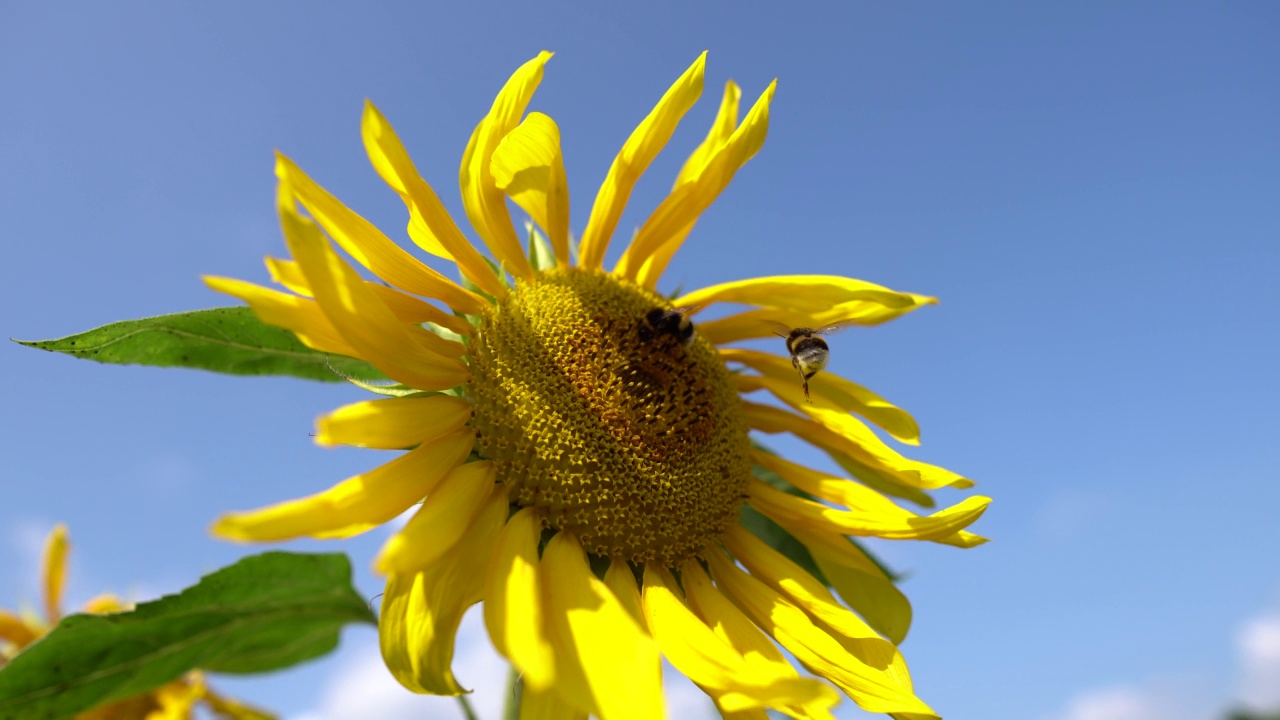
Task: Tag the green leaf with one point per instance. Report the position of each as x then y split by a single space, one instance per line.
228 340
265 612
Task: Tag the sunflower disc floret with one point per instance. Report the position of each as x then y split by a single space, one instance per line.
630 440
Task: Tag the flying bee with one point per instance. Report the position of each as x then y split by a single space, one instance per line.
674 322
809 352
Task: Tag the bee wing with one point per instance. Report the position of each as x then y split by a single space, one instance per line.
837 327
779 329
687 309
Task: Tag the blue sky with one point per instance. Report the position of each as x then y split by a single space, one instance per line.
1093 192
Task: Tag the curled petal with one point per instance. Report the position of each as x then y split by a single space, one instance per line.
870 676
687 201
737 682
859 582
407 308
869 514
430 225
369 246
839 432
646 141
486 205
529 167
360 316
721 131
421 611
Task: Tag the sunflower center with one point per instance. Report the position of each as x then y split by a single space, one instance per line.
599 409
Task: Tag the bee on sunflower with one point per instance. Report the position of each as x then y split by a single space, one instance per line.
579 444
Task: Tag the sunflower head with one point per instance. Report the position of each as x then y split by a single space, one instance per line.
623 435
580 444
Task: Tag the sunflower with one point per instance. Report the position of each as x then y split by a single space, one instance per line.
176 700
583 462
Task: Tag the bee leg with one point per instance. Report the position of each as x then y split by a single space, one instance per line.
803 380
806 391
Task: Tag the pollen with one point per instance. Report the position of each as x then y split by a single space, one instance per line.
631 439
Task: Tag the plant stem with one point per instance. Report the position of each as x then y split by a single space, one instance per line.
467 710
511 706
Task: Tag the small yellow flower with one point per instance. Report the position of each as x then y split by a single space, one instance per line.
174 701
584 473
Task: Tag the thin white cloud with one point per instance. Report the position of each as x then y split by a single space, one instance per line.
1258 643
1183 696
362 688
1116 703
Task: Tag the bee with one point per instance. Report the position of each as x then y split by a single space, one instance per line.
674 322
809 352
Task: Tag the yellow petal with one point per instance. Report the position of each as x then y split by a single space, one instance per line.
397 349
874 688
485 204
869 514
828 391
766 322
840 432
407 308
730 624
529 167
513 605
804 590
721 130
859 582
808 294
610 665
430 225
106 604
896 524
879 480
687 201
621 581
356 504
369 246
646 141
441 522
53 570
14 630
300 316
546 705
178 699
714 665
421 612
393 424
287 273
231 709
